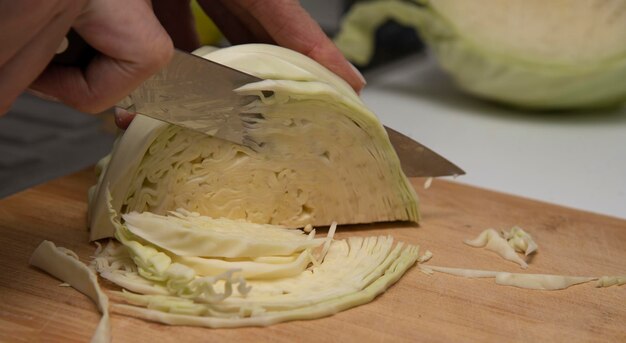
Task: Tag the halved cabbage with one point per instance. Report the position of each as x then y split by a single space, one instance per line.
318 156
530 53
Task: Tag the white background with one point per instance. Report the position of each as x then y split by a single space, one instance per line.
572 159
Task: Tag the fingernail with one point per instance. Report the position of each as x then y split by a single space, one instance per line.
123 118
62 46
358 74
42 95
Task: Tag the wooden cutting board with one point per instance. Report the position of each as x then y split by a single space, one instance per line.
33 307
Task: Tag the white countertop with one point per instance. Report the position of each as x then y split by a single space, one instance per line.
572 159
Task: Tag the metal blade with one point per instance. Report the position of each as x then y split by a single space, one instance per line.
417 160
197 94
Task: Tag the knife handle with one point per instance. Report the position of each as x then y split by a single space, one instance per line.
77 52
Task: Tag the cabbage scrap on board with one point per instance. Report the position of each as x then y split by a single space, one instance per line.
533 54
505 245
318 156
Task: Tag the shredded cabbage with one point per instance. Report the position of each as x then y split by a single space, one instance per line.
344 267
156 278
353 273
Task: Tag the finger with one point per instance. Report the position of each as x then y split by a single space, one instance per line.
291 26
133 46
123 118
18 72
244 15
21 21
176 17
233 28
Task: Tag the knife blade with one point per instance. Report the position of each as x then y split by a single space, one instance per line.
417 160
197 94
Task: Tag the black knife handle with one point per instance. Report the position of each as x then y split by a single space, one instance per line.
78 52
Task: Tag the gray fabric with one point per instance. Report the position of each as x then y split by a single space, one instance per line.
42 140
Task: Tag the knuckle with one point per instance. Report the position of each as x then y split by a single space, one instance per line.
159 54
72 7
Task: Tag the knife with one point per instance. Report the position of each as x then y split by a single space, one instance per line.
196 93
419 161
190 91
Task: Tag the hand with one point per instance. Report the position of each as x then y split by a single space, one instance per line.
281 22
132 43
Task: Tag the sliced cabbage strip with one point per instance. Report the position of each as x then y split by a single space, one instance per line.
65 266
315 155
249 268
185 233
546 282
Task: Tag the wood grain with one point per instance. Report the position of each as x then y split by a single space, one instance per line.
438 308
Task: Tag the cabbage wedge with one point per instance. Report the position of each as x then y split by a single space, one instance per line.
317 155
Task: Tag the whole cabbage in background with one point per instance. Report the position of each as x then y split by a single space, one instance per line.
557 54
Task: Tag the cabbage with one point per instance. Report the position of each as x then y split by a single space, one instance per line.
546 282
608 281
315 155
491 240
529 53
190 234
520 240
65 265
207 233
158 285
